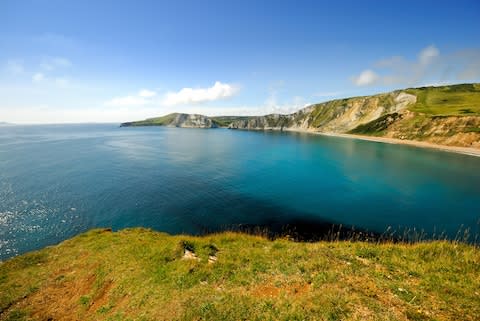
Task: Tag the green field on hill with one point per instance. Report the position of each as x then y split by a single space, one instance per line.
455 100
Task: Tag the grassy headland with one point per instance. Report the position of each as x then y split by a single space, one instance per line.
174 121
138 274
156 121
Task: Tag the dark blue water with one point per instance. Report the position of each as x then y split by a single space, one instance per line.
58 181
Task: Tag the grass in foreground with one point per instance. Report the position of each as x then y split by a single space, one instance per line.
137 274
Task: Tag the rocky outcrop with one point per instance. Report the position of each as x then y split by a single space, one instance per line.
192 121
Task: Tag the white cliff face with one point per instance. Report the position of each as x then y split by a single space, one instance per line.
192 121
403 100
338 116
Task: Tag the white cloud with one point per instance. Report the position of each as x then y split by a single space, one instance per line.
289 107
146 93
366 78
200 95
38 77
15 67
143 97
183 97
428 55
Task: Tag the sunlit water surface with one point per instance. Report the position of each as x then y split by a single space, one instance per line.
59 180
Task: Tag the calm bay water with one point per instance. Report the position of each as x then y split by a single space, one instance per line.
59 180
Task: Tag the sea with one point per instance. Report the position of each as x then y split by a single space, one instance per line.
57 181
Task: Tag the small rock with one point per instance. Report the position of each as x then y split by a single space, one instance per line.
189 255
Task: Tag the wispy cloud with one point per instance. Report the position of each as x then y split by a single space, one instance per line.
147 93
272 106
54 40
38 77
42 72
143 97
187 96
428 55
62 82
366 77
15 67
429 66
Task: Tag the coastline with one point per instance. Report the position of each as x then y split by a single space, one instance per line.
470 151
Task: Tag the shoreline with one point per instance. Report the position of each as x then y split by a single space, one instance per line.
470 151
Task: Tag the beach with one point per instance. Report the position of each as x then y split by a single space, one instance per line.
453 149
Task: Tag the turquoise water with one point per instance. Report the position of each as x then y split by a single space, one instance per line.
59 180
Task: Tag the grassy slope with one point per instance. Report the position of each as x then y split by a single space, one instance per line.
138 274
433 104
157 121
456 100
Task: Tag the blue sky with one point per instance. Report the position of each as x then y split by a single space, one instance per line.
102 61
